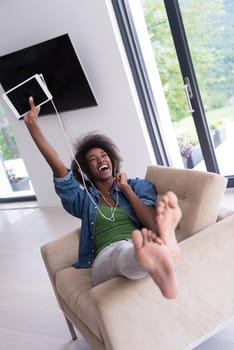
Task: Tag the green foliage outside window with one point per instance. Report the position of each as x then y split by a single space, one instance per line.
8 148
208 26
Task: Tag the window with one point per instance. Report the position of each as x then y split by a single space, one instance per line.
182 51
15 184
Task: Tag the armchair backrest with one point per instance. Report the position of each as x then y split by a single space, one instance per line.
200 195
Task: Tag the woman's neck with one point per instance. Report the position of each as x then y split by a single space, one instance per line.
105 187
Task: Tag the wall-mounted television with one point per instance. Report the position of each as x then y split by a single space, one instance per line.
56 59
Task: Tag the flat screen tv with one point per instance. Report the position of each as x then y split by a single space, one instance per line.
56 59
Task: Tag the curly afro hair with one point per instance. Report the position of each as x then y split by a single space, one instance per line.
93 140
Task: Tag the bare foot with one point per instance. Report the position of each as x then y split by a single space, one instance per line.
168 214
156 259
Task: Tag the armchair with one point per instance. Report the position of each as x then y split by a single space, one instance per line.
133 315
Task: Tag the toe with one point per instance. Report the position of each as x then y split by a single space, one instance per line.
137 239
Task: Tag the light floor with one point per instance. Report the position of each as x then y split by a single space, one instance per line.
29 316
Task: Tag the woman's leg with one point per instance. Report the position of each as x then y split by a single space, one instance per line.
117 259
159 258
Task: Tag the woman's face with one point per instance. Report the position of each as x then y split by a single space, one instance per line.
99 164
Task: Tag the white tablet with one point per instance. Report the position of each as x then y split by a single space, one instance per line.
17 97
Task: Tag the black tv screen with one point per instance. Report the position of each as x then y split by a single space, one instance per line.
57 61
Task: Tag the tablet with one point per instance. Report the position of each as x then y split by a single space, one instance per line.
17 97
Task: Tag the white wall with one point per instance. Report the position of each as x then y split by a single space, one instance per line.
92 28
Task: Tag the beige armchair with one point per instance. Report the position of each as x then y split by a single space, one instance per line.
133 315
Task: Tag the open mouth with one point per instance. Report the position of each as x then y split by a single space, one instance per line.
103 167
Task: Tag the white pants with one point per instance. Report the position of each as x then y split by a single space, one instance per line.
117 259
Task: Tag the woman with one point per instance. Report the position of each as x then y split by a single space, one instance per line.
119 219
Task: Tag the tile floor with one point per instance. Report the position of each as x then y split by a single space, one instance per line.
29 316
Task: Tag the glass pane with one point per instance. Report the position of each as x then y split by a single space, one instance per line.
209 27
15 182
173 85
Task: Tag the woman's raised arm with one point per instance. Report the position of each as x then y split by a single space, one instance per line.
49 153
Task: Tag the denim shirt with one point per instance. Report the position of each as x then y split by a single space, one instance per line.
78 203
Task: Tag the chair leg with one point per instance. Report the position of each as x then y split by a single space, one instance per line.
71 328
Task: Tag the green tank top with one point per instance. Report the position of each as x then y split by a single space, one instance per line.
112 231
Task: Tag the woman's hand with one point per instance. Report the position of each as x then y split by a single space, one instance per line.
122 181
30 118
144 213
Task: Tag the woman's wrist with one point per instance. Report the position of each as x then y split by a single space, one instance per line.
127 189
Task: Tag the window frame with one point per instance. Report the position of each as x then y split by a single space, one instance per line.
140 76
